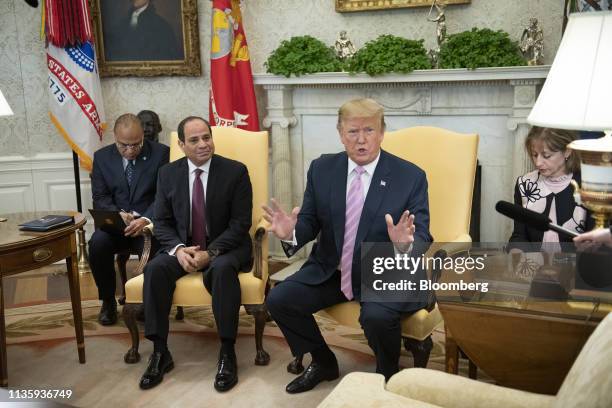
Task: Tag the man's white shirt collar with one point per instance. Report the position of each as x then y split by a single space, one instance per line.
369 168
136 13
205 167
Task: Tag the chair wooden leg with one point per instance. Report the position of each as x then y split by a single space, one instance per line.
259 312
179 313
121 266
130 310
473 370
420 350
296 366
451 358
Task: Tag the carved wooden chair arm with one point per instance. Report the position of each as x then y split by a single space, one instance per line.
147 233
260 233
448 249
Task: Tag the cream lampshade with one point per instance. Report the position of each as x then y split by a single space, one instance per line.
5 109
577 95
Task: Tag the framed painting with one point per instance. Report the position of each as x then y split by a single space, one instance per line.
146 37
366 5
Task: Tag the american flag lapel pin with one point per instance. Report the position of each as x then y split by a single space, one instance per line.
383 183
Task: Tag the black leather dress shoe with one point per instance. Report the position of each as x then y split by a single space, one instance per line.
108 313
159 364
227 372
314 374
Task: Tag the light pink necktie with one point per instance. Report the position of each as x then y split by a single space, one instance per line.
354 206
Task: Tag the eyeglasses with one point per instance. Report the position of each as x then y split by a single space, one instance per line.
126 146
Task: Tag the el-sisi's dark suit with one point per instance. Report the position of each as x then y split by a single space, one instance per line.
229 205
396 186
110 191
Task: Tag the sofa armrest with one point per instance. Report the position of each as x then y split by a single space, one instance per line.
448 390
258 239
366 390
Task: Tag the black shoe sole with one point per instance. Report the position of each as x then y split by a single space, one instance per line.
107 323
332 377
227 387
161 378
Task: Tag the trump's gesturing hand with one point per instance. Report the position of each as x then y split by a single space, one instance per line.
402 233
281 223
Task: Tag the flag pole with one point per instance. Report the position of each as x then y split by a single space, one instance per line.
83 259
77 181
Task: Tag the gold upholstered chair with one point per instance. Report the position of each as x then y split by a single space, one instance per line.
449 160
250 148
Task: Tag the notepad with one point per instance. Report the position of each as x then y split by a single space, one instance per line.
46 223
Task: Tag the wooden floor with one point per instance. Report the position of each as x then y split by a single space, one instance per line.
50 284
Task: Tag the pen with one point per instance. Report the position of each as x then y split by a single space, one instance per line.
130 212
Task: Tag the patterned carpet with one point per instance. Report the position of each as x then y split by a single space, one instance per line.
41 344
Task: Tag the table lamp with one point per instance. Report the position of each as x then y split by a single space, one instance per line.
577 95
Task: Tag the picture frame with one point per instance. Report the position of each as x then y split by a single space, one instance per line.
159 39
343 6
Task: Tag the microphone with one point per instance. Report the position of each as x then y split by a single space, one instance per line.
531 218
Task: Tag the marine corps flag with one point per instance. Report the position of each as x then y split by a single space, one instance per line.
75 97
232 97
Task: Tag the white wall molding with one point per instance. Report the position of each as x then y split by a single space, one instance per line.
44 181
476 77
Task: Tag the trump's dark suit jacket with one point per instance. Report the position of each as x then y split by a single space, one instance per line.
109 186
396 186
229 205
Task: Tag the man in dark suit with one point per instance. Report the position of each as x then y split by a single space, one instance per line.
203 213
142 35
124 178
351 197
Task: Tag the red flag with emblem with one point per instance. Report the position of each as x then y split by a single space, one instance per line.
232 97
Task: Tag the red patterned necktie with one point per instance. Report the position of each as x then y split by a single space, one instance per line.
198 212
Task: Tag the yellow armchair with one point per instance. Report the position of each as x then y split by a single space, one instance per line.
250 148
449 160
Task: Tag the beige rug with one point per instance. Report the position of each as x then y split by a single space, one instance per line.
42 354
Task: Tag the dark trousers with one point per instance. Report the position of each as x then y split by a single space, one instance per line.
220 279
102 249
292 305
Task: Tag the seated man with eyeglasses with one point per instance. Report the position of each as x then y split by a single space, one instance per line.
124 178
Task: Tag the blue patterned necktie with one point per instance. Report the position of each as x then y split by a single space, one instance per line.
129 172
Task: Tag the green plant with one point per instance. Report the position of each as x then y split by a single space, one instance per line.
480 48
389 53
302 55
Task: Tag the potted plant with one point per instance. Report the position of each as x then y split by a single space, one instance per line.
302 55
387 54
478 48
